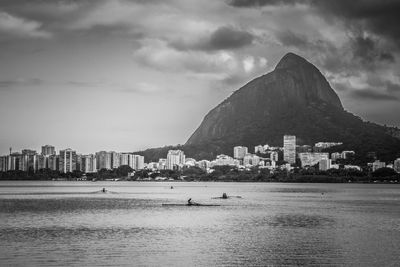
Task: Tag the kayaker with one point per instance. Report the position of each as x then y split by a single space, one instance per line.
190 201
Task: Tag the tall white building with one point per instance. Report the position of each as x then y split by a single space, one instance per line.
115 160
124 159
138 162
175 159
67 160
48 150
89 163
42 161
239 152
103 160
289 149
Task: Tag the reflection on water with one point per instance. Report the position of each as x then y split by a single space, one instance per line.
272 224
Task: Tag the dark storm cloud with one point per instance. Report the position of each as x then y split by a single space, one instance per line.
367 51
258 3
224 38
373 95
392 87
380 17
229 38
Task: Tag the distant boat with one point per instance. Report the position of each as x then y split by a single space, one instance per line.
193 204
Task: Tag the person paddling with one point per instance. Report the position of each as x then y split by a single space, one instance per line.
224 196
103 190
190 202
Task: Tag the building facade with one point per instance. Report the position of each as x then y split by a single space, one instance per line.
239 152
67 160
175 159
325 164
103 160
251 160
48 150
311 159
289 149
89 163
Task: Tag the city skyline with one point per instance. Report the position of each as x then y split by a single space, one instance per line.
131 75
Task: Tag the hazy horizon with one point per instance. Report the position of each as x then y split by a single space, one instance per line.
130 75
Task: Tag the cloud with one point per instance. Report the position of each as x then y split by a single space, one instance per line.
229 38
366 50
259 3
218 65
369 94
21 82
289 38
19 27
379 17
392 87
223 38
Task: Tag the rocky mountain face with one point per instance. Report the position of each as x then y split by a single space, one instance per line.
295 98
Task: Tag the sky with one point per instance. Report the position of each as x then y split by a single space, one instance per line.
129 75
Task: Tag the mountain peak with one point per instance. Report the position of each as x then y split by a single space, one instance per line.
291 60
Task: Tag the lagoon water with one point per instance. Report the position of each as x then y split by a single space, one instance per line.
273 224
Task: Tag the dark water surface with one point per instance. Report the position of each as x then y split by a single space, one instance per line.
74 224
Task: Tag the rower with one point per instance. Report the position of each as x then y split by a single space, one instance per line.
103 190
190 201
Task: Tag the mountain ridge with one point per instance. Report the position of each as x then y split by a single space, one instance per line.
295 98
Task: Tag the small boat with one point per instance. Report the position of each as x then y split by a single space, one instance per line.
187 204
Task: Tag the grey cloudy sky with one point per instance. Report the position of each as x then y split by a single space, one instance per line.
128 75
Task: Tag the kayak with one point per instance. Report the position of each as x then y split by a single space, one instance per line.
226 197
193 204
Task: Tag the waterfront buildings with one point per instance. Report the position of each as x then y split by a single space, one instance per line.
138 162
52 162
48 150
203 164
325 164
67 160
222 160
310 159
251 160
335 156
324 145
259 149
115 160
124 159
377 165
103 160
396 165
175 159
239 152
289 149
89 163
42 161
273 156
162 164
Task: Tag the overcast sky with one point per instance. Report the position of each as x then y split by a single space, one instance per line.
129 75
